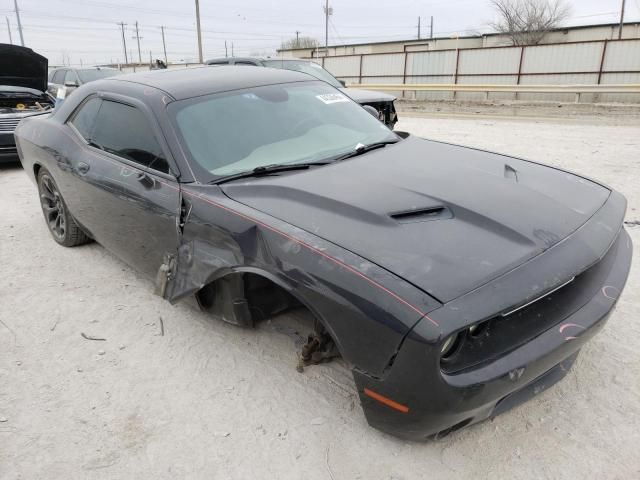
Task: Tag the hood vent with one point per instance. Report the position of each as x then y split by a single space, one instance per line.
422 215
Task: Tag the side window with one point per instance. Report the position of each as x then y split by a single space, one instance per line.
85 118
244 63
124 130
58 77
71 77
220 62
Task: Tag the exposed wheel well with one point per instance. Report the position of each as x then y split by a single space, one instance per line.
246 293
246 298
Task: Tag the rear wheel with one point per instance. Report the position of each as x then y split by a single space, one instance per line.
61 224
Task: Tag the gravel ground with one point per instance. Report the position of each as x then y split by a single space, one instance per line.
208 400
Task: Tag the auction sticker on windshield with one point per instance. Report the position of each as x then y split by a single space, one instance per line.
330 98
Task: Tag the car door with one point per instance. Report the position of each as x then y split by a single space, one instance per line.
71 81
124 191
57 79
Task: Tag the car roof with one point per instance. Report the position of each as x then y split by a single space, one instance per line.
225 59
196 81
257 59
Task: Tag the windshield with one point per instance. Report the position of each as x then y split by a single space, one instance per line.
92 74
309 68
285 124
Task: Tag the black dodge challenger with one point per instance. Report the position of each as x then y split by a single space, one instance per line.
455 283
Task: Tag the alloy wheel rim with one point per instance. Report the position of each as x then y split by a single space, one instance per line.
53 207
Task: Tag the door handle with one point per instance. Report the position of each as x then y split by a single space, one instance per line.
146 180
83 168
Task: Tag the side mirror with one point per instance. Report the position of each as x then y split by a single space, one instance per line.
372 111
343 83
71 84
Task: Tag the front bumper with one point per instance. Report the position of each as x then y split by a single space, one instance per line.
435 403
8 151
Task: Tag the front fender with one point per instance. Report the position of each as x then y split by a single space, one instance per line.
367 309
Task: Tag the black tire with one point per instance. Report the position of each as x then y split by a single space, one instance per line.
61 224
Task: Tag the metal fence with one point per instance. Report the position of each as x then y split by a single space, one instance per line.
599 62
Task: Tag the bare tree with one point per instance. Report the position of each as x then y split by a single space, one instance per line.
300 42
526 22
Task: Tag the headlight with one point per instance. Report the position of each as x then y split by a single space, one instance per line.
478 329
450 346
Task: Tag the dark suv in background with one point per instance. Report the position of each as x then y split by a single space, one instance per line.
72 78
382 102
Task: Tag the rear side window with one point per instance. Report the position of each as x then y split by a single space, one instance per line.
58 77
85 118
70 77
124 131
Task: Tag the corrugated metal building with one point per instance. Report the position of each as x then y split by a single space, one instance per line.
562 35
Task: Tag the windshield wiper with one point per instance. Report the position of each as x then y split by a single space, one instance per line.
360 149
267 170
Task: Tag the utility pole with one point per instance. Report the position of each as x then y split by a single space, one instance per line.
9 30
418 28
297 39
226 52
621 20
199 32
15 3
124 43
327 11
431 28
232 52
164 47
138 37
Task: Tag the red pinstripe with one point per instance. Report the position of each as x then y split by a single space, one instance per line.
318 252
289 237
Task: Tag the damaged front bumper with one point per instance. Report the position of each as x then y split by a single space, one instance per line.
417 400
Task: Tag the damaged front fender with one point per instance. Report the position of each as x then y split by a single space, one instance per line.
366 309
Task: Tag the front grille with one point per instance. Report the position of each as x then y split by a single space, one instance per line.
8 124
520 324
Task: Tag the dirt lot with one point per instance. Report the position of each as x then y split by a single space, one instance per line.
208 400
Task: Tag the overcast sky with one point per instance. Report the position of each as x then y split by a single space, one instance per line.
86 30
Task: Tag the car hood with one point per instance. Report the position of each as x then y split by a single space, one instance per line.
22 67
445 218
367 96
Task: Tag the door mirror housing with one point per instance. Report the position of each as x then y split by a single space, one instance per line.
372 111
71 84
342 82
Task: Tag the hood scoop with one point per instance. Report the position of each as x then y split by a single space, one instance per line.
422 215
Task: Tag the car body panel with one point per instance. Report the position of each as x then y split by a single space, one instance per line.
345 292
438 404
326 237
367 96
424 175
